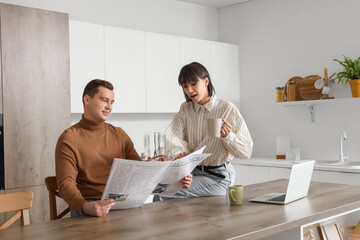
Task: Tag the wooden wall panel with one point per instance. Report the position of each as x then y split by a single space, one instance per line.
36 96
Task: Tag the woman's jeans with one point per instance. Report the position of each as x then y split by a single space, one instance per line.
205 184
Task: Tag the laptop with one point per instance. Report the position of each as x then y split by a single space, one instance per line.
298 186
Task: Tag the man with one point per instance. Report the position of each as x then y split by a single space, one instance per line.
85 152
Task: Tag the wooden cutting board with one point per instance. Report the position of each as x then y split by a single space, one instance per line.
297 81
307 89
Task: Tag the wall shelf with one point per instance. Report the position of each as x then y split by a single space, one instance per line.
320 101
310 103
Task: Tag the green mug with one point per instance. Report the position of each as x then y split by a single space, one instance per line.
235 194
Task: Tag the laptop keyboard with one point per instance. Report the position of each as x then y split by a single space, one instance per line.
280 198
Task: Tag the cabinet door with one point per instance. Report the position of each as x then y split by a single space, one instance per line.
339 177
225 71
246 175
125 68
195 50
86 59
163 94
284 173
315 176
279 173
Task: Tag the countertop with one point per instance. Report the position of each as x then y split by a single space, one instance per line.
282 163
202 218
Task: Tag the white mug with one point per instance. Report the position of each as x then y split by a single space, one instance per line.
214 127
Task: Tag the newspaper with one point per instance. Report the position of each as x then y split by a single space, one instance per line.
131 182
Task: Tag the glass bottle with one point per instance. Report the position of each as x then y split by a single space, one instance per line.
146 146
157 142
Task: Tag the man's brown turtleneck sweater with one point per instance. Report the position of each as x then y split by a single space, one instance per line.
84 155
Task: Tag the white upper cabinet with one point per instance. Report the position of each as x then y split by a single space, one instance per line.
195 50
144 67
86 59
163 94
225 71
125 68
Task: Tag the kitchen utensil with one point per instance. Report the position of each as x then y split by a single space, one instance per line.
332 75
319 84
325 90
214 127
297 81
326 76
235 194
331 82
307 88
291 91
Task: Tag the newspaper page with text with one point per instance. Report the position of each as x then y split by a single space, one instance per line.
131 182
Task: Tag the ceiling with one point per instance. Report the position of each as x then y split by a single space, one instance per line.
215 3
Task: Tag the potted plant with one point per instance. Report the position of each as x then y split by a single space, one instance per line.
350 73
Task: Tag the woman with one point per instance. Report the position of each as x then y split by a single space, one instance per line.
188 132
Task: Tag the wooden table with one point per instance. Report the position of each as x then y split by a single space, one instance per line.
201 218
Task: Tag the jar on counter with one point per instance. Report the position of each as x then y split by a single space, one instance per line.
291 95
279 94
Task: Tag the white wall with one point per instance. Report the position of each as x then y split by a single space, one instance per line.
161 16
279 39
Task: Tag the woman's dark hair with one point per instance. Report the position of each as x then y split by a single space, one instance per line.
191 73
92 87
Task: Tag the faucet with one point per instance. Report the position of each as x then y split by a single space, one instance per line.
342 156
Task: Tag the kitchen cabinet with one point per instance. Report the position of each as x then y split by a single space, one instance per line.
86 59
339 177
35 97
246 175
162 53
225 71
196 50
284 173
125 68
144 66
279 173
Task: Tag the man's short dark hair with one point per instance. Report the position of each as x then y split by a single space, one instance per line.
93 87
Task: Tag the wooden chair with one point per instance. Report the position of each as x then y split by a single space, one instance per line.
332 232
355 234
21 202
53 193
312 232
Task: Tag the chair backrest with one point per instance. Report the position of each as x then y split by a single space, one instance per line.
20 202
53 193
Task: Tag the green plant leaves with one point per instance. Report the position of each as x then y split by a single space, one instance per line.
350 71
